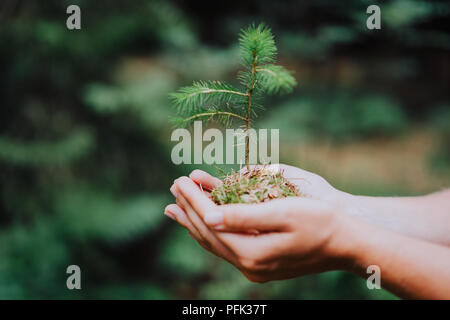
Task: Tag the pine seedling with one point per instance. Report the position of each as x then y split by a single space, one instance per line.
222 102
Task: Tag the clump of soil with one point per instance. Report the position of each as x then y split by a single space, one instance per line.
254 186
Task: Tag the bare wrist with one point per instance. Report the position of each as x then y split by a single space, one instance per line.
348 204
342 245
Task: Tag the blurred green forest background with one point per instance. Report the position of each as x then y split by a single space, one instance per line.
85 140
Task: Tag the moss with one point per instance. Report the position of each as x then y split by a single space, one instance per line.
254 186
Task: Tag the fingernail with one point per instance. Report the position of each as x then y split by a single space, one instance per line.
170 215
214 218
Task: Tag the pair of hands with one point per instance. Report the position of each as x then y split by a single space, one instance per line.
276 240
325 229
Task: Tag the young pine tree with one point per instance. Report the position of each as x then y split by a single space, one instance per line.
215 100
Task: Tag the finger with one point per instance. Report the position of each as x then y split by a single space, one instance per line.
206 192
195 219
183 206
207 181
206 234
260 247
268 216
176 213
200 241
204 245
174 193
194 196
173 190
169 212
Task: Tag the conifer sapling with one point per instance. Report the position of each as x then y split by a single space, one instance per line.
215 100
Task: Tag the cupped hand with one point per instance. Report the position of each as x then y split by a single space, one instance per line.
309 184
295 236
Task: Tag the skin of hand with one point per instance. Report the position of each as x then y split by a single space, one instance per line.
312 186
297 236
422 217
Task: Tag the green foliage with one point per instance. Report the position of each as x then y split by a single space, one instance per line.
406 12
110 220
275 79
84 138
143 98
184 258
257 45
76 145
208 100
320 44
204 100
339 116
81 174
203 96
440 121
33 260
